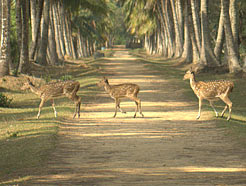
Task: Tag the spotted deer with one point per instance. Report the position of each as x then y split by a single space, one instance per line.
211 91
56 89
126 90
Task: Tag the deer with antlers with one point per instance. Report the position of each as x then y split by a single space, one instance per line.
56 89
125 90
211 91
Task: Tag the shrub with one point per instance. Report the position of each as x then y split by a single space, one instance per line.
4 101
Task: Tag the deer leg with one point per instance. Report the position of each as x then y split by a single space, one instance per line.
211 104
200 107
116 107
138 106
228 102
120 108
223 112
77 108
40 107
53 105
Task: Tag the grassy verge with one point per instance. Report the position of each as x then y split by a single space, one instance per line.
236 127
26 143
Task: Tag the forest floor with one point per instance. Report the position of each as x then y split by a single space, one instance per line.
166 147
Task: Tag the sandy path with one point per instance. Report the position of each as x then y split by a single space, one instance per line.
166 147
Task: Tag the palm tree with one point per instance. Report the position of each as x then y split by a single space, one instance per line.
5 38
41 55
233 61
207 56
24 49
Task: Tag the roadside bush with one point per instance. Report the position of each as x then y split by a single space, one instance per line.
4 101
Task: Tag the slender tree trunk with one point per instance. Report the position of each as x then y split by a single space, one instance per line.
207 56
24 59
234 24
33 7
18 31
41 56
220 37
233 61
196 24
55 17
187 52
165 8
5 38
36 29
52 51
177 27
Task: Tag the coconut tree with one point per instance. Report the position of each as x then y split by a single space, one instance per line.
207 56
233 61
24 49
5 38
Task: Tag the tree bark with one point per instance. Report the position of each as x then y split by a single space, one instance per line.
220 37
5 38
196 24
208 58
24 59
177 28
187 51
233 61
41 56
36 29
234 24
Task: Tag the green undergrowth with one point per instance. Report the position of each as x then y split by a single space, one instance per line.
236 127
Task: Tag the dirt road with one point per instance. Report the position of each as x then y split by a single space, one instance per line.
166 147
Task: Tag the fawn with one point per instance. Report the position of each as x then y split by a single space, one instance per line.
126 90
54 90
211 91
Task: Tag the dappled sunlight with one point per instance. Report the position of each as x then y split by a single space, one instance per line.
129 134
142 80
209 169
122 58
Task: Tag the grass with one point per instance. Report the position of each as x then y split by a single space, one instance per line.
26 143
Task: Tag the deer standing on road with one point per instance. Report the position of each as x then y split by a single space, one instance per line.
126 90
211 91
56 89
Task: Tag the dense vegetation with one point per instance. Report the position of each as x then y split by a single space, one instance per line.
209 34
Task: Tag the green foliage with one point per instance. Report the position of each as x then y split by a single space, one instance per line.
5 101
66 77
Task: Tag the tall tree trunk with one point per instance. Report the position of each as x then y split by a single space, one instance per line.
33 7
187 51
177 28
165 8
5 38
220 37
41 56
56 23
207 56
52 51
233 61
18 30
36 28
234 24
196 23
24 58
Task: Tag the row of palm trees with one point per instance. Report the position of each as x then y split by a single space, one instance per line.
47 31
182 29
